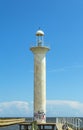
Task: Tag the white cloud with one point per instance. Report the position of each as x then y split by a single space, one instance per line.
64 108
15 108
67 68
55 108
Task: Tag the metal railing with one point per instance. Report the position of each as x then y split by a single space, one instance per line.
73 122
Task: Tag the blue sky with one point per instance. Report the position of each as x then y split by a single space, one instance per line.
62 23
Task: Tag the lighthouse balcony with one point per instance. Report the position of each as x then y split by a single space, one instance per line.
40 45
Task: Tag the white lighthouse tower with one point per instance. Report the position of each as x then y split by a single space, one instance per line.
39 50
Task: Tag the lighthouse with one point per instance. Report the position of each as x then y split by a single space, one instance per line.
39 50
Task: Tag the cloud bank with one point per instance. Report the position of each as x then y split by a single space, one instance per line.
64 108
55 108
15 109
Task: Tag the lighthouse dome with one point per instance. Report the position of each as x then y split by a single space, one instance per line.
39 33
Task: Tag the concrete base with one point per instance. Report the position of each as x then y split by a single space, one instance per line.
41 126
